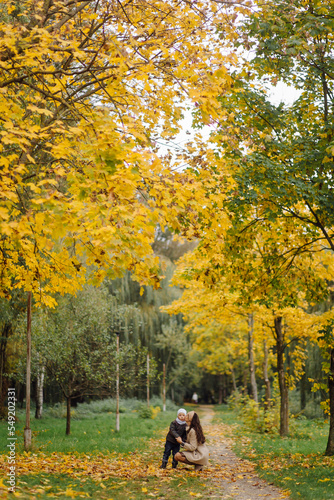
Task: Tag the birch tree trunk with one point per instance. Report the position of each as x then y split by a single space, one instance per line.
39 391
234 383
267 395
251 357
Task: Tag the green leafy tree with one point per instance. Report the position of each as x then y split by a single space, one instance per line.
76 346
282 155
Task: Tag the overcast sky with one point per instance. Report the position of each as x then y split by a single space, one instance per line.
281 92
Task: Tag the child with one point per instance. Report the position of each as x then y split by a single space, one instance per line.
177 429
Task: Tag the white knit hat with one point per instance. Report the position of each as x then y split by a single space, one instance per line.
181 410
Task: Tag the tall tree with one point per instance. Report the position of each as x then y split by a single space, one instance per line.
282 155
87 89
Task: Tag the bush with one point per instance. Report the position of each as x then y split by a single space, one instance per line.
88 410
59 411
157 401
145 411
254 415
148 411
155 411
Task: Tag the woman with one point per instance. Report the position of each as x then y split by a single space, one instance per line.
195 450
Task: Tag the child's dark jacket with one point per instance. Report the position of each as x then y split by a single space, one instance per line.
176 430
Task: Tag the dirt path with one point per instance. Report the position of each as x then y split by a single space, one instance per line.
233 477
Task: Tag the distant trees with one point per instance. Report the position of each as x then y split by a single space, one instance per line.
74 346
77 348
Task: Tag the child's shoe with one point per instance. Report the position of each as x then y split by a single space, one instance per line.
174 464
163 465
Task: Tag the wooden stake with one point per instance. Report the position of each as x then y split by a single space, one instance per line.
164 388
148 380
117 385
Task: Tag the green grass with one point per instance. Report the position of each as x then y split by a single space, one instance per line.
296 462
93 436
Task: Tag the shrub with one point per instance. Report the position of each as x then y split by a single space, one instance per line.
254 415
148 411
145 411
59 411
88 410
155 411
157 401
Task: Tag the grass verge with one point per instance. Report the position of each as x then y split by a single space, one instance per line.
296 462
94 434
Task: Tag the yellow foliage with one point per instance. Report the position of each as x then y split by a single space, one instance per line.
155 411
86 90
220 292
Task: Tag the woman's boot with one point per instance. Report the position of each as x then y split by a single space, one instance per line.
198 467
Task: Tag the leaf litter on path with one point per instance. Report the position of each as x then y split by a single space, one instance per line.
233 477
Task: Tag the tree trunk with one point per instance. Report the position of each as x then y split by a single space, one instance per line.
234 383
284 409
330 443
251 357
245 381
148 381
39 391
220 389
225 389
5 334
27 430
303 392
68 415
267 394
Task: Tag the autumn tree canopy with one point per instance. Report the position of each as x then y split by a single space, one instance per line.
87 87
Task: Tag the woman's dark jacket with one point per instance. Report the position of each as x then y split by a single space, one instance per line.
176 430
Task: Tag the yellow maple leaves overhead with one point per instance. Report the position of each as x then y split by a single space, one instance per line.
85 90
